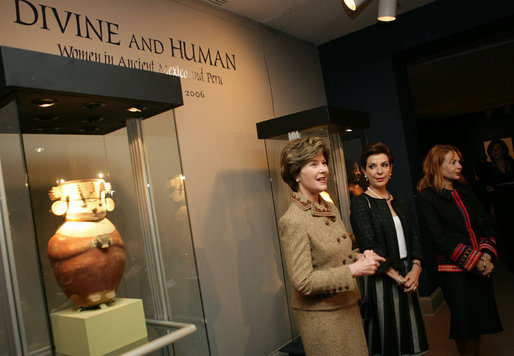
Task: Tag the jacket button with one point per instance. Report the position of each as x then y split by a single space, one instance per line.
333 218
344 262
344 236
326 222
349 256
347 287
338 239
339 288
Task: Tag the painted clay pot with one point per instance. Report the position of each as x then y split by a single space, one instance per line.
86 252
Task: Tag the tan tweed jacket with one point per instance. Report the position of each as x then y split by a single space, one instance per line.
317 251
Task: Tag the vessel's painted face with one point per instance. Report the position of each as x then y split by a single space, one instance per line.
82 199
313 176
378 170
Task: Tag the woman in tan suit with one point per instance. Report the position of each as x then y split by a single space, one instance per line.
320 262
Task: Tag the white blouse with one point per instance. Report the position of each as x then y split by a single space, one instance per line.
402 247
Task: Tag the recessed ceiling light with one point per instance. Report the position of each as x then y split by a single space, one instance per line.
39 149
348 130
92 105
48 129
46 117
136 109
90 129
44 103
92 119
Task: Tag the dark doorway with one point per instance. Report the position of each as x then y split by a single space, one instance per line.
459 90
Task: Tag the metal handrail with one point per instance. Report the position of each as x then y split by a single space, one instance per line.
184 330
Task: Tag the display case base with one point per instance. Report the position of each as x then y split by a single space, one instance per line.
101 331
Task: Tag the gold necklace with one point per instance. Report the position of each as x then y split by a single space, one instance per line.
378 196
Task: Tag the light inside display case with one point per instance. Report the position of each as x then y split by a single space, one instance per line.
93 213
344 131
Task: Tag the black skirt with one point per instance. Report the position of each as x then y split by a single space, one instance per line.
472 305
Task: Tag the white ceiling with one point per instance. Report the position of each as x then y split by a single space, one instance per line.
315 21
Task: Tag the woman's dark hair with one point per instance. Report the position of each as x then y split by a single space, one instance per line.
375 148
501 143
296 154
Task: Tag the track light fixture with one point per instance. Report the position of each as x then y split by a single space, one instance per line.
353 4
386 8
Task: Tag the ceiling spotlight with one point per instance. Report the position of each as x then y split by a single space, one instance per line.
386 10
353 4
348 130
44 103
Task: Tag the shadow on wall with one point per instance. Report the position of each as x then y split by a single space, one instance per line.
245 300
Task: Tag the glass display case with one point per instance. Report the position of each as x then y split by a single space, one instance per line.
345 132
63 120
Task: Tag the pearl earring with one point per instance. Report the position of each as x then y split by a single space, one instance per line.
366 177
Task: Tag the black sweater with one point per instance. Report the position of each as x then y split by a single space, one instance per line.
457 225
373 226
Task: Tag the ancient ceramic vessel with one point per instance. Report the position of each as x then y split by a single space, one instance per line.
86 252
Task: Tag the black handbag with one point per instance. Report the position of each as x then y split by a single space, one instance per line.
364 303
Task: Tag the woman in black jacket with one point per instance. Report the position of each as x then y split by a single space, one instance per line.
384 223
452 218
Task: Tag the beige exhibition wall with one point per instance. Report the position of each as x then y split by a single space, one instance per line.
252 74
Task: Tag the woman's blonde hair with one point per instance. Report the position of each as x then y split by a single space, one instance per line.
433 177
296 154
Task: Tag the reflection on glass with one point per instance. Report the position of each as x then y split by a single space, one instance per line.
356 184
20 235
169 199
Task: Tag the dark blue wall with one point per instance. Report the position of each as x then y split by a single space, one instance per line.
359 70
363 71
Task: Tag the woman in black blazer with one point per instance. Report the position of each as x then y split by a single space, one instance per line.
452 218
385 223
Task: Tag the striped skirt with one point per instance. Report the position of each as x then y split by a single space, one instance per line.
395 325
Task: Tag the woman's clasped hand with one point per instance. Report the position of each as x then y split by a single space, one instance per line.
366 264
484 267
411 280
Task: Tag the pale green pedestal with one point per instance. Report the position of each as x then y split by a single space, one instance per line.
99 332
